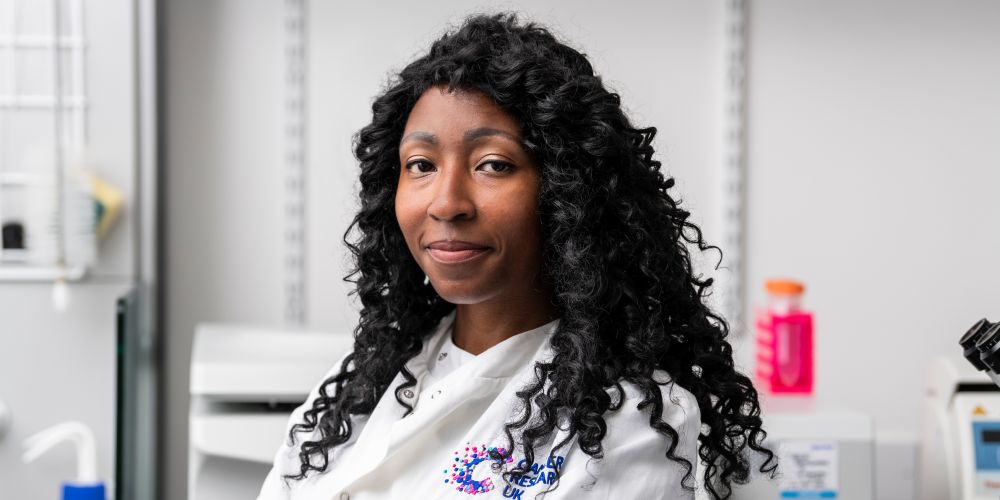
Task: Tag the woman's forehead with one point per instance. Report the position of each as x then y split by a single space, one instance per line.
456 112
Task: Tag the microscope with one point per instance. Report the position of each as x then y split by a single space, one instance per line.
981 347
960 450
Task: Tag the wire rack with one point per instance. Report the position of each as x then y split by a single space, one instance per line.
43 116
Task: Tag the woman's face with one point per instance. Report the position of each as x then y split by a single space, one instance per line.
467 198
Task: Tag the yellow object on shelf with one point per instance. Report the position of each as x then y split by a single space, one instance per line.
109 204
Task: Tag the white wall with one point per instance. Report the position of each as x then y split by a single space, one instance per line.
53 367
874 166
870 163
222 122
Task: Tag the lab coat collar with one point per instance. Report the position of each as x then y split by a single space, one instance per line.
500 361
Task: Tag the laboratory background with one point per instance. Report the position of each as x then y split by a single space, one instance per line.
176 178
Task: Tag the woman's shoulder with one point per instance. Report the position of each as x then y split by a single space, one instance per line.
675 398
635 462
680 411
286 459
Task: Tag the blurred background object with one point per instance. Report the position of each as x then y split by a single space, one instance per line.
244 382
86 485
77 117
785 341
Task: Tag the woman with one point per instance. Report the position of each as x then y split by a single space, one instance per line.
531 323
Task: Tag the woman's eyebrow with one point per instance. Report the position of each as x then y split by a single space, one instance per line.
477 133
420 136
469 136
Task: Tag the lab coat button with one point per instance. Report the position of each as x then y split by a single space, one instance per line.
344 496
408 394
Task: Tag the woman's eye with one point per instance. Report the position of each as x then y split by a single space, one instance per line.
423 166
496 166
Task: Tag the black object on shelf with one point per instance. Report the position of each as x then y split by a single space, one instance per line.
13 235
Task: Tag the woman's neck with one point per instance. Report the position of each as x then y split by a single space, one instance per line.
481 326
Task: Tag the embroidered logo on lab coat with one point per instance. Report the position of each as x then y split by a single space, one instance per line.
463 465
461 472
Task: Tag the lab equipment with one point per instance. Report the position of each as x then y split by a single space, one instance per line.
960 457
980 346
245 382
822 453
86 486
785 341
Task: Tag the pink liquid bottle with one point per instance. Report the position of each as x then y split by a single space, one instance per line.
785 341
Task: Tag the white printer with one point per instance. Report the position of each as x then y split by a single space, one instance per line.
245 381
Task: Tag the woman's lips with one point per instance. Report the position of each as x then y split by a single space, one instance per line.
455 256
452 252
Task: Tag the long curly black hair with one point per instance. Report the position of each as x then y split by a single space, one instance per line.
616 250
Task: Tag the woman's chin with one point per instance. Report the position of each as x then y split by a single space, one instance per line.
456 293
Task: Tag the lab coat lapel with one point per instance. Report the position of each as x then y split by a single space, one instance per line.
482 389
372 445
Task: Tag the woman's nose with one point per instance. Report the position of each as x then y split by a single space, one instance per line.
452 197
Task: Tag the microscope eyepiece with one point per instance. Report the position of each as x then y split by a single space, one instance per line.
989 348
970 342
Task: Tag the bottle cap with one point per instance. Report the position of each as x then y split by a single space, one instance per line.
784 287
71 491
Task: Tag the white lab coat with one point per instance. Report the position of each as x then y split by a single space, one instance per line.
424 455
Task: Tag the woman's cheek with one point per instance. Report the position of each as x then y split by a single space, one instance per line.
408 220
